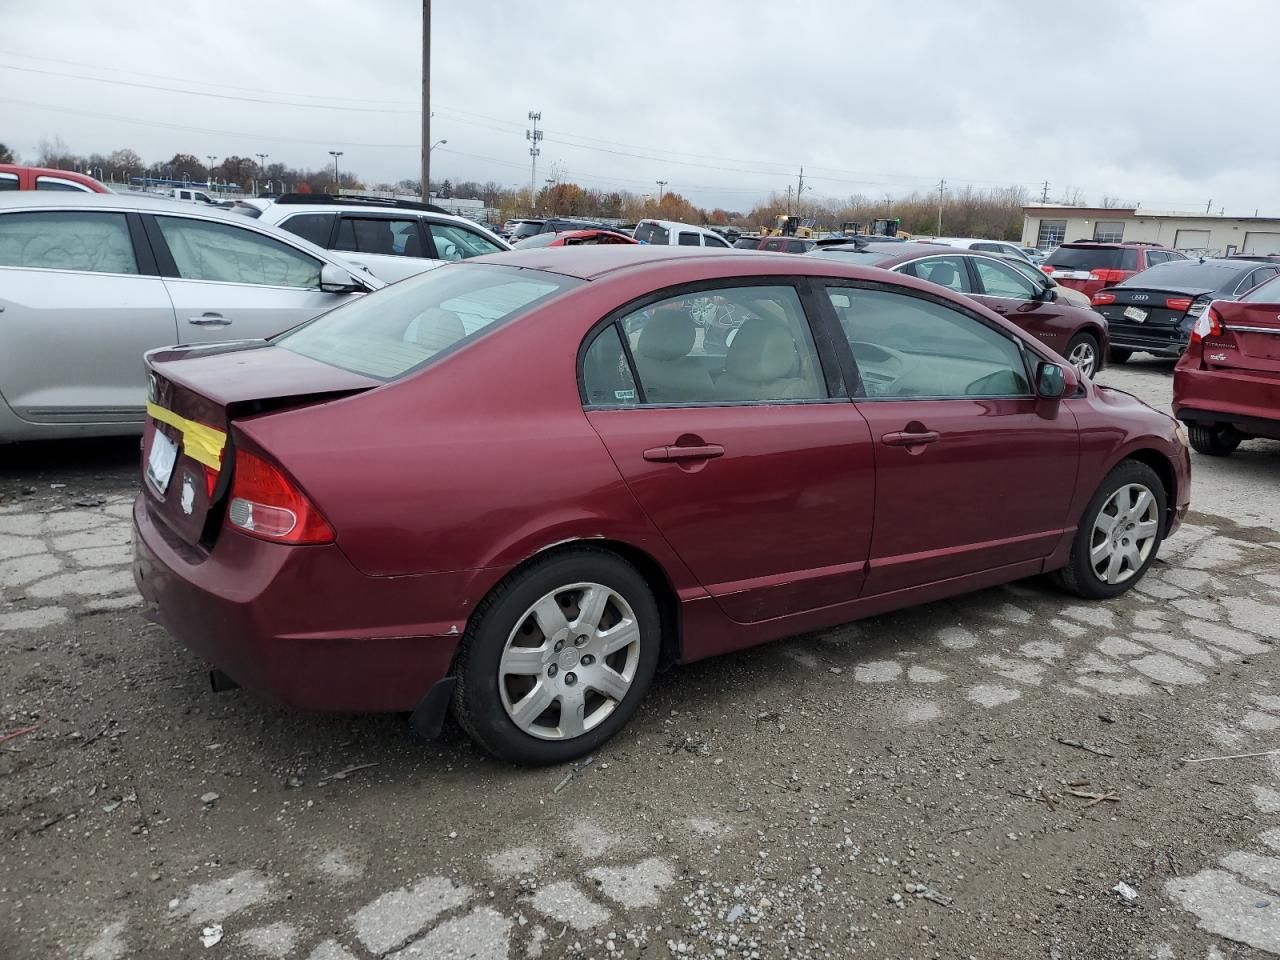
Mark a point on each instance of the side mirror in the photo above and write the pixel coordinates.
(1054, 381)
(333, 279)
(1048, 294)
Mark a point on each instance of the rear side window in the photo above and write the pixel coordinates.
(606, 375)
(710, 241)
(410, 322)
(1094, 258)
(649, 232)
(58, 183)
(316, 227)
(67, 240)
(386, 236)
(945, 271)
(747, 243)
(205, 250)
(8, 181)
(686, 239)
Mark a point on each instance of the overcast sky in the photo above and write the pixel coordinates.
(1167, 103)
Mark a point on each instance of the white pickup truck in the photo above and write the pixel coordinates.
(185, 193)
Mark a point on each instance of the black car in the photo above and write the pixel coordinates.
(531, 228)
(1154, 311)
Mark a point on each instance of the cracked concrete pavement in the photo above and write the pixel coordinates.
(968, 778)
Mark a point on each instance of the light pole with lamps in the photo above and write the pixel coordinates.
(262, 167)
(337, 184)
(210, 158)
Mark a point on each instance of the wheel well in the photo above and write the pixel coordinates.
(655, 576)
(1164, 470)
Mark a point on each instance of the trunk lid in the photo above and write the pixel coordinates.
(1149, 307)
(1250, 339)
(194, 394)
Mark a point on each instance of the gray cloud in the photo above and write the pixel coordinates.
(1163, 103)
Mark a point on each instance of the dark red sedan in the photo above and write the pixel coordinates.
(1226, 386)
(1013, 289)
(517, 486)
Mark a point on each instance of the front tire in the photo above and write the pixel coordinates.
(1119, 534)
(1118, 355)
(557, 658)
(1084, 354)
(1213, 440)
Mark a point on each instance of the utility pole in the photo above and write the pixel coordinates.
(1208, 205)
(1044, 193)
(800, 188)
(534, 137)
(942, 193)
(788, 199)
(661, 185)
(426, 101)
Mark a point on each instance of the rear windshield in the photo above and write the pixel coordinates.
(1268, 292)
(652, 233)
(1180, 274)
(391, 333)
(865, 258)
(525, 228)
(1094, 258)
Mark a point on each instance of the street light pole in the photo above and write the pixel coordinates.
(337, 184)
(426, 101)
(209, 179)
(262, 168)
(661, 184)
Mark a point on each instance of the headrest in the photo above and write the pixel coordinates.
(669, 335)
(762, 350)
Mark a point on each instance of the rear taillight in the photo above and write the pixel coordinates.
(1101, 299)
(1046, 268)
(1107, 276)
(267, 504)
(1209, 325)
(1181, 304)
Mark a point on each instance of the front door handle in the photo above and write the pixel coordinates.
(209, 320)
(906, 438)
(673, 454)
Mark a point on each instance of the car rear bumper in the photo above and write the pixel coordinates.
(300, 624)
(1161, 341)
(1249, 402)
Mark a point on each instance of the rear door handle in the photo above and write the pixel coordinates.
(906, 439)
(209, 320)
(706, 451)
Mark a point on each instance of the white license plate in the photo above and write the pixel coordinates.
(1136, 314)
(1071, 275)
(160, 461)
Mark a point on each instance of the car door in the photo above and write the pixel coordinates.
(80, 303)
(229, 282)
(1010, 293)
(973, 472)
(392, 246)
(747, 458)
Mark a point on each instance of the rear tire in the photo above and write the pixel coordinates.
(1119, 534)
(545, 673)
(1117, 355)
(1084, 353)
(1213, 440)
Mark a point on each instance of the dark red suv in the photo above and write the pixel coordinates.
(1226, 387)
(1088, 266)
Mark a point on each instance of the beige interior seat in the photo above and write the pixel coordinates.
(762, 364)
(942, 273)
(667, 372)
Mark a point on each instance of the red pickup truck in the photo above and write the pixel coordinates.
(14, 177)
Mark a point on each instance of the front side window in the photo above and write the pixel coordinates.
(999, 280)
(711, 241)
(8, 181)
(410, 322)
(686, 239)
(67, 240)
(727, 345)
(385, 236)
(1052, 233)
(1108, 231)
(911, 347)
(1268, 292)
(945, 271)
(58, 183)
(205, 250)
(315, 227)
(457, 243)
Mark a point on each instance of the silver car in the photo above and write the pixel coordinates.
(90, 282)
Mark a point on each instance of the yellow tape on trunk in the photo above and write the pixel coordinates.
(202, 444)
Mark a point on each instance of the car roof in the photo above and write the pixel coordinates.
(1098, 245)
(57, 199)
(677, 224)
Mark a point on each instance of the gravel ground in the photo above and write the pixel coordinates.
(999, 775)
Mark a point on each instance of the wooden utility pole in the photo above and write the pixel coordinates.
(426, 101)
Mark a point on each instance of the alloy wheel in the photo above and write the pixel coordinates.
(1124, 533)
(1084, 357)
(570, 661)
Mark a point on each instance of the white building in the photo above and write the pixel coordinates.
(1047, 225)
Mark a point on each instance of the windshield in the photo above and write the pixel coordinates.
(525, 228)
(1094, 258)
(392, 333)
(865, 258)
(649, 232)
(1268, 292)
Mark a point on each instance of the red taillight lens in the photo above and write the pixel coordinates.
(266, 504)
(1107, 276)
(1209, 325)
(1046, 268)
(1101, 299)
(1179, 303)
